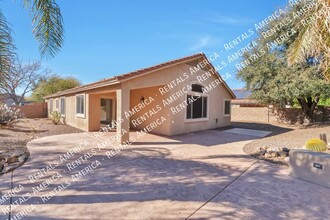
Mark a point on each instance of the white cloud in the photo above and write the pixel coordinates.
(230, 20)
(201, 43)
(205, 41)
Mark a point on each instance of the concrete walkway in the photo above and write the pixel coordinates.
(203, 175)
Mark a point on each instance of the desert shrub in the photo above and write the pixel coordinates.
(56, 117)
(316, 145)
(8, 114)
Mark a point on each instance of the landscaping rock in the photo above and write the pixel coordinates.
(268, 155)
(263, 148)
(2, 157)
(22, 158)
(274, 154)
(10, 167)
(275, 149)
(1, 167)
(17, 153)
(11, 160)
(283, 154)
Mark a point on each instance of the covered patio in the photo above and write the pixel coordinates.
(123, 109)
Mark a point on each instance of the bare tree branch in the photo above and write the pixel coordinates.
(21, 79)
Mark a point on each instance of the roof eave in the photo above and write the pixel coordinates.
(82, 89)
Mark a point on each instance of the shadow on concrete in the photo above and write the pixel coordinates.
(139, 174)
(151, 174)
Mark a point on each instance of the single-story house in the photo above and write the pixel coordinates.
(175, 97)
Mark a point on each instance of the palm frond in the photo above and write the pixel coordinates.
(48, 25)
(296, 50)
(7, 47)
(314, 39)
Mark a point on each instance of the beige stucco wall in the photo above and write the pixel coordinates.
(91, 120)
(176, 123)
(70, 116)
(149, 85)
(95, 111)
(156, 106)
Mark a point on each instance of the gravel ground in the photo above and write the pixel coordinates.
(15, 136)
(290, 137)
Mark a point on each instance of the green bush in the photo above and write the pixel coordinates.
(316, 145)
(56, 117)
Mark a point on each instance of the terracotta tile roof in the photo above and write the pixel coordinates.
(159, 66)
(127, 76)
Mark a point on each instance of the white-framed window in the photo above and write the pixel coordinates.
(80, 105)
(50, 105)
(197, 104)
(227, 107)
(57, 104)
(62, 109)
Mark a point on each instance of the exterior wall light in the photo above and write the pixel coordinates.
(142, 100)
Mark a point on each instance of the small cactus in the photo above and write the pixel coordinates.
(56, 116)
(316, 145)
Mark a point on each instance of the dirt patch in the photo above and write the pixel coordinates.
(19, 133)
(13, 138)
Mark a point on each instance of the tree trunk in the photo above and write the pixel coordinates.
(14, 97)
(308, 106)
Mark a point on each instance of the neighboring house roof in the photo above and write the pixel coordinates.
(4, 96)
(7, 99)
(242, 93)
(243, 98)
(137, 73)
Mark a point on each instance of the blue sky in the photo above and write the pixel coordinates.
(105, 37)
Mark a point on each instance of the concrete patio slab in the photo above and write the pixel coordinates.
(249, 132)
(266, 191)
(5, 189)
(158, 178)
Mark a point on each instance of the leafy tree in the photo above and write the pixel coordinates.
(324, 102)
(269, 76)
(21, 79)
(314, 35)
(52, 85)
(47, 28)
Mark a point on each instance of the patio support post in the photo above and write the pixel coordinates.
(123, 102)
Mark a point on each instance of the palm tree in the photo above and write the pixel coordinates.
(314, 36)
(47, 28)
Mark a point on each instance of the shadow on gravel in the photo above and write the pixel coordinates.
(19, 128)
